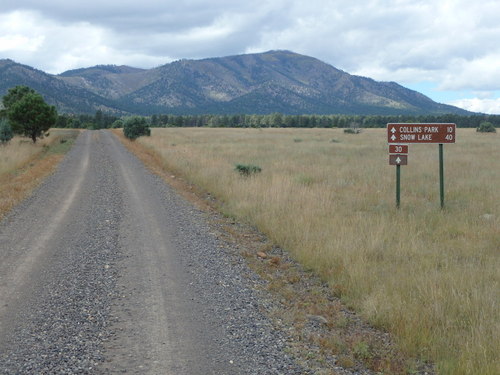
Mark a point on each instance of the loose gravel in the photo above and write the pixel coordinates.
(68, 314)
(62, 317)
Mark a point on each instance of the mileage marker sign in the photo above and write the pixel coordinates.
(421, 133)
(398, 149)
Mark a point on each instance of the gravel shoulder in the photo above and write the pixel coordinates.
(106, 270)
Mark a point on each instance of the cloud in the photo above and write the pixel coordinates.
(53, 47)
(489, 106)
(482, 73)
(453, 43)
(19, 42)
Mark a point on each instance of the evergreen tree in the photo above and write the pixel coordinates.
(136, 126)
(15, 94)
(30, 116)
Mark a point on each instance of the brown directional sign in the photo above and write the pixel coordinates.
(398, 149)
(421, 133)
(398, 159)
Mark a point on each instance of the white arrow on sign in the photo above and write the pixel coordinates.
(398, 160)
(393, 136)
(393, 130)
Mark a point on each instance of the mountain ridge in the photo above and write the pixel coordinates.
(259, 83)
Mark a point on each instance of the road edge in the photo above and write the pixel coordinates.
(325, 335)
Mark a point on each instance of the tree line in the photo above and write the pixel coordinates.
(102, 120)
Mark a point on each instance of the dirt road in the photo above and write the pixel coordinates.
(106, 270)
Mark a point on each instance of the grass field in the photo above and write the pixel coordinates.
(429, 276)
(23, 165)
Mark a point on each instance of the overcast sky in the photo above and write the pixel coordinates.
(447, 49)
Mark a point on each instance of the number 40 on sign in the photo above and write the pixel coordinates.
(421, 133)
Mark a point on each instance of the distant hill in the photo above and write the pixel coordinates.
(109, 81)
(274, 81)
(66, 97)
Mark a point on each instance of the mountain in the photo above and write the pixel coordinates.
(109, 81)
(274, 81)
(66, 97)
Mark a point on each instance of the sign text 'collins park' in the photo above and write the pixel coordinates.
(421, 133)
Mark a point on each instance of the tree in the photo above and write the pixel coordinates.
(117, 124)
(98, 120)
(6, 133)
(154, 120)
(30, 116)
(14, 95)
(28, 113)
(486, 127)
(63, 121)
(276, 120)
(135, 126)
(76, 123)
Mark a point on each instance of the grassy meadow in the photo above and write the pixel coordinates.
(429, 276)
(23, 165)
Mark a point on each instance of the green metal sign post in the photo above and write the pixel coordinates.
(398, 156)
(441, 174)
(398, 160)
(398, 186)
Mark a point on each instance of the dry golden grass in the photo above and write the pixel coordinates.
(23, 165)
(429, 276)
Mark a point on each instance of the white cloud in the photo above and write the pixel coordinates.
(18, 42)
(54, 47)
(489, 106)
(482, 73)
(15, 37)
(453, 43)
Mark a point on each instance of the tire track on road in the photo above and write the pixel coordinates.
(58, 248)
(23, 250)
(163, 333)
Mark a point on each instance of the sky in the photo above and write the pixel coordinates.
(448, 50)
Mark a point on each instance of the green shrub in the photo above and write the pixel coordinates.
(305, 180)
(117, 124)
(352, 131)
(362, 351)
(247, 169)
(6, 132)
(136, 126)
(486, 127)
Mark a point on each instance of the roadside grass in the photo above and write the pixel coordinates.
(23, 165)
(429, 276)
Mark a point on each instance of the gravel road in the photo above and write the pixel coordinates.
(106, 270)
